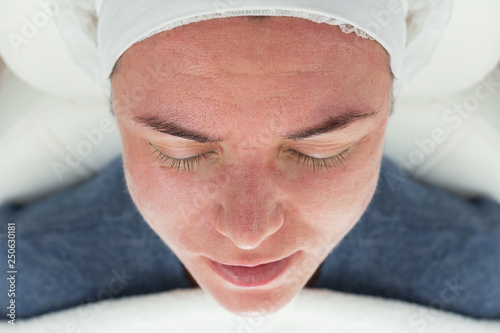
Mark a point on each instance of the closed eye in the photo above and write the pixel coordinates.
(181, 163)
(321, 163)
(188, 164)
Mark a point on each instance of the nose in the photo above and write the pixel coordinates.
(251, 211)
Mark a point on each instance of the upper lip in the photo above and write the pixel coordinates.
(251, 263)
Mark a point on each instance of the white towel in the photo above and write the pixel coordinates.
(192, 310)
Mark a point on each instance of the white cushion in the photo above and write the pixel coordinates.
(48, 143)
(32, 47)
(468, 51)
(432, 140)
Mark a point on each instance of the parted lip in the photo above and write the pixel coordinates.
(253, 263)
(251, 276)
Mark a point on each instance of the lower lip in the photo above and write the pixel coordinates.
(251, 276)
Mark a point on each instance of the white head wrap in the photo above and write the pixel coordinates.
(98, 32)
(124, 23)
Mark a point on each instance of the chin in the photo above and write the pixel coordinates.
(253, 303)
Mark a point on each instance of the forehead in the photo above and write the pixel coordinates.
(242, 46)
(235, 70)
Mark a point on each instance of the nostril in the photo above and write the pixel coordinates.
(218, 209)
(277, 218)
(219, 219)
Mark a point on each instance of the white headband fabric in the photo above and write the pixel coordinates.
(122, 23)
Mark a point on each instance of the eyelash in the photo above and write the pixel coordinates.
(314, 163)
(311, 162)
(180, 163)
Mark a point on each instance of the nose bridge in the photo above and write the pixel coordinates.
(251, 211)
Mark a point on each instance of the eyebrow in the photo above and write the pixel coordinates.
(333, 123)
(174, 129)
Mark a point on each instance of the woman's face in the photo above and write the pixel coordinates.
(246, 142)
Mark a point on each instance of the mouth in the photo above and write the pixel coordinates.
(251, 276)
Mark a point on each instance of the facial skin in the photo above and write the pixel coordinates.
(250, 83)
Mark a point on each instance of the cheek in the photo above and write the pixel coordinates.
(170, 202)
(333, 203)
(152, 193)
